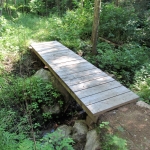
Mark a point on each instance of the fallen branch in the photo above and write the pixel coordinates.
(114, 44)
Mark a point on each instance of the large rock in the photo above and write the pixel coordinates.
(43, 74)
(143, 104)
(92, 141)
(51, 109)
(80, 130)
(66, 130)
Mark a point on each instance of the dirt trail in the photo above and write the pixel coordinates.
(132, 123)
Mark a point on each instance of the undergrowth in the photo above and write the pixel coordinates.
(123, 62)
(52, 141)
(22, 115)
(111, 141)
(27, 98)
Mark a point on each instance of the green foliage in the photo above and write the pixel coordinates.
(142, 82)
(22, 30)
(72, 29)
(7, 140)
(114, 142)
(51, 141)
(143, 31)
(8, 33)
(28, 96)
(142, 74)
(104, 125)
(110, 141)
(143, 89)
(55, 140)
(117, 24)
(37, 6)
(31, 89)
(122, 62)
(8, 118)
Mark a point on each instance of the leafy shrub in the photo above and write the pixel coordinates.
(8, 118)
(73, 28)
(26, 97)
(51, 141)
(7, 140)
(115, 142)
(117, 24)
(122, 62)
(143, 31)
(143, 90)
(37, 6)
(111, 141)
(55, 140)
(142, 74)
(142, 82)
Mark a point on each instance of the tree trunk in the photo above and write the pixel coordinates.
(57, 2)
(117, 3)
(97, 7)
(1, 7)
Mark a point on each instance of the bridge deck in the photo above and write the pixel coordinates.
(94, 90)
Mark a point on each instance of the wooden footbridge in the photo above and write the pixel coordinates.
(94, 90)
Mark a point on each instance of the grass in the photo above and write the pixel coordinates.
(16, 34)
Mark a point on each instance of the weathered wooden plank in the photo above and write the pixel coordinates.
(57, 54)
(73, 69)
(68, 63)
(47, 50)
(113, 102)
(85, 78)
(104, 95)
(61, 60)
(55, 58)
(80, 74)
(88, 84)
(97, 89)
